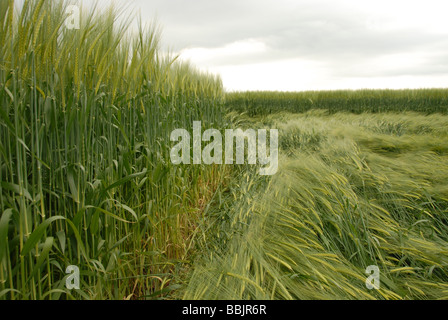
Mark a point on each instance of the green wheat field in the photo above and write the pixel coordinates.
(86, 177)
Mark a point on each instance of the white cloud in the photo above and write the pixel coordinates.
(286, 75)
(309, 44)
(209, 57)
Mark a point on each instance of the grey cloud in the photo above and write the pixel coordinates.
(334, 34)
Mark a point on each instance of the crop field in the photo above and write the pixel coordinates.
(351, 191)
(85, 122)
(355, 101)
(86, 178)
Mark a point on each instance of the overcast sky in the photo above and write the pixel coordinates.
(308, 44)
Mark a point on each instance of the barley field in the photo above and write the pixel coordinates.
(85, 122)
(86, 178)
(352, 190)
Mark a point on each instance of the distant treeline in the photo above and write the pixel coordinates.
(356, 101)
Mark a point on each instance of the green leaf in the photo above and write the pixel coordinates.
(119, 242)
(128, 209)
(3, 292)
(37, 234)
(78, 239)
(108, 213)
(4, 223)
(94, 222)
(5, 118)
(125, 179)
(72, 185)
(168, 289)
(9, 93)
(42, 256)
(16, 188)
(62, 240)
